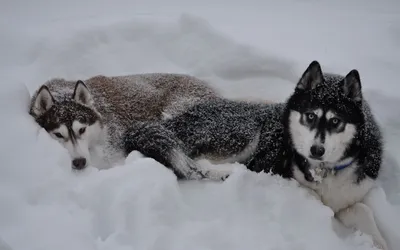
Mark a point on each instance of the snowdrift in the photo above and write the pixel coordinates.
(140, 205)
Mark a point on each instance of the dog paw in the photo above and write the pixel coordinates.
(196, 175)
(380, 244)
(216, 176)
(223, 178)
(206, 174)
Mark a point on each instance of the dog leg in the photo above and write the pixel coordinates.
(387, 219)
(361, 217)
(155, 141)
(267, 157)
(192, 170)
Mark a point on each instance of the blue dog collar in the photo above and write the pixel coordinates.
(341, 167)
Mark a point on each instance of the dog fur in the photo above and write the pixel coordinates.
(89, 117)
(324, 136)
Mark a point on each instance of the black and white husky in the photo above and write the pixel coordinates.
(324, 136)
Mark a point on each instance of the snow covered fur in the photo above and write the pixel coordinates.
(324, 136)
(90, 117)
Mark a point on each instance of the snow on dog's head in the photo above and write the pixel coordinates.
(325, 114)
(72, 121)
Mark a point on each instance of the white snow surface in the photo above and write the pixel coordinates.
(247, 49)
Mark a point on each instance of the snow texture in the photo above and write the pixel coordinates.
(248, 50)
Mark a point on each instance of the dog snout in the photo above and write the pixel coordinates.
(79, 163)
(317, 151)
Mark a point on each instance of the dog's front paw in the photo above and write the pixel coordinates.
(196, 175)
(215, 175)
(223, 178)
(361, 217)
(380, 244)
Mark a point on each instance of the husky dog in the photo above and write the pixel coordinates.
(89, 117)
(324, 136)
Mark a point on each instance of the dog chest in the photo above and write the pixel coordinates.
(337, 191)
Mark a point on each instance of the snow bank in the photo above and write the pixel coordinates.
(44, 205)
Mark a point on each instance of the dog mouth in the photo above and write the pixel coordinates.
(318, 162)
(315, 158)
(77, 168)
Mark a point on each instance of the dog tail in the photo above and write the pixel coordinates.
(155, 141)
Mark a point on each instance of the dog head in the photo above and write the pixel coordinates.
(324, 115)
(72, 121)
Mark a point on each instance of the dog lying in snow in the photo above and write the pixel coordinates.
(324, 136)
(89, 117)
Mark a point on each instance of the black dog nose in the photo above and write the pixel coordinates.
(317, 151)
(79, 163)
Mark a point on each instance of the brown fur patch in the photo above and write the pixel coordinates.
(121, 100)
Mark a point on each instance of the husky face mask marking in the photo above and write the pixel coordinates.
(324, 116)
(73, 121)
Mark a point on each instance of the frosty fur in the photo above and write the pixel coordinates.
(103, 108)
(220, 129)
(258, 135)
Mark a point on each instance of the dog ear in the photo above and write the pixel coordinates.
(311, 77)
(81, 94)
(43, 101)
(352, 85)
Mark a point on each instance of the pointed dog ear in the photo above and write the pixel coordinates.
(43, 101)
(352, 85)
(311, 77)
(81, 94)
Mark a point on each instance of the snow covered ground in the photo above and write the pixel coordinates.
(247, 49)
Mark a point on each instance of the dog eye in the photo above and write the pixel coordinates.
(310, 117)
(59, 135)
(82, 130)
(335, 121)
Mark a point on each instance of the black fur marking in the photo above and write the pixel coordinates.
(311, 78)
(216, 129)
(160, 147)
(352, 85)
(44, 104)
(67, 112)
(81, 97)
(223, 128)
(72, 135)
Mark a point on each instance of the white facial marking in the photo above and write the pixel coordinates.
(79, 149)
(318, 112)
(329, 115)
(91, 136)
(76, 127)
(335, 143)
(303, 138)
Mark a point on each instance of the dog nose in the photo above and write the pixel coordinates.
(79, 163)
(317, 151)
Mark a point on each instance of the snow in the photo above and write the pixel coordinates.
(247, 49)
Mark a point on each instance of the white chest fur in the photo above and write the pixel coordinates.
(338, 191)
